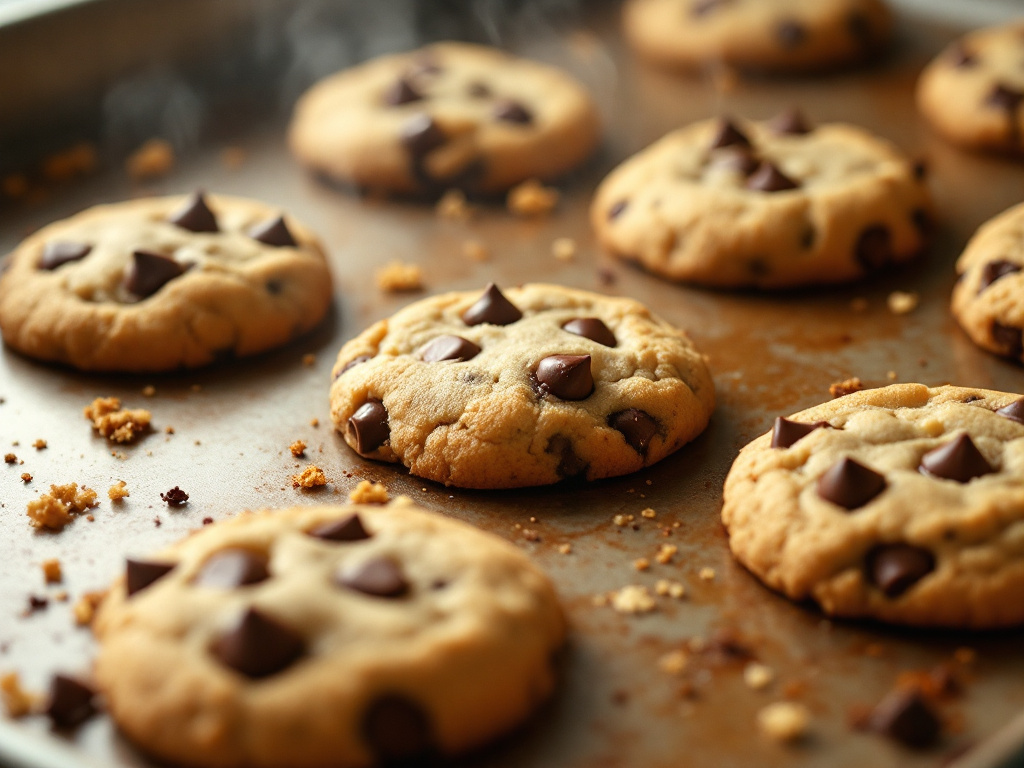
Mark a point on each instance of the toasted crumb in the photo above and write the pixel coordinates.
(642, 564)
(52, 571)
(649, 513)
(563, 248)
(531, 198)
(39, 444)
(785, 721)
(17, 701)
(369, 493)
(314, 422)
(152, 160)
(10, 458)
(114, 423)
(845, 387)
(565, 549)
(169, 429)
(670, 588)
(232, 158)
(54, 510)
(665, 553)
(26, 477)
(395, 277)
(674, 662)
(891, 375)
(298, 448)
(902, 303)
(118, 491)
(633, 598)
(85, 607)
(706, 574)
(453, 205)
(758, 676)
(475, 250)
(78, 160)
(311, 477)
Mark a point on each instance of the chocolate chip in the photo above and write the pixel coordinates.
(617, 208)
(378, 577)
(790, 122)
(511, 111)
(961, 57)
(273, 232)
(492, 307)
(1008, 339)
(174, 497)
(195, 216)
(1005, 97)
(1014, 411)
(569, 462)
(907, 717)
(258, 646)
(420, 135)
(349, 528)
(397, 730)
(139, 574)
(60, 252)
(638, 427)
(232, 568)
(958, 460)
(994, 270)
(850, 484)
(478, 90)
(768, 178)
(401, 92)
(591, 328)
(737, 158)
(368, 426)
(149, 272)
(449, 348)
(70, 703)
(786, 432)
(790, 33)
(357, 360)
(567, 377)
(873, 249)
(727, 135)
(895, 568)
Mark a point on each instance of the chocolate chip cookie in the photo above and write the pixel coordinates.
(163, 283)
(528, 387)
(768, 204)
(451, 115)
(327, 636)
(904, 504)
(973, 92)
(767, 35)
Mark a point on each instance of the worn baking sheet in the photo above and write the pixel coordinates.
(770, 355)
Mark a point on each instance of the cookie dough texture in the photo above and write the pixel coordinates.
(799, 543)
(235, 295)
(469, 643)
(485, 423)
(686, 211)
(768, 35)
(451, 115)
(973, 92)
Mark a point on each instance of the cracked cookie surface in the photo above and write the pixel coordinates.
(903, 504)
(338, 636)
(163, 283)
(536, 385)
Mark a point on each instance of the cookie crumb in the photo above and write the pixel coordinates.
(649, 513)
(118, 491)
(39, 444)
(633, 598)
(369, 493)
(52, 571)
(902, 302)
(784, 721)
(26, 477)
(674, 662)
(665, 553)
(114, 423)
(845, 387)
(152, 160)
(396, 277)
(174, 497)
(706, 574)
(622, 520)
(454, 206)
(642, 564)
(55, 509)
(758, 676)
(314, 422)
(474, 250)
(672, 589)
(531, 198)
(17, 701)
(563, 248)
(298, 448)
(565, 549)
(311, 477)
(148, 391)
(85, 607)
(891, 375)
(10, 458)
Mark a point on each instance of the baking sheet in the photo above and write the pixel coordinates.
(770, 355)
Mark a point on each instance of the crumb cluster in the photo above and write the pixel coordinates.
(118, 425)
(57, 508)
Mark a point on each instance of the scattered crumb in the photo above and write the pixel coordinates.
(314, 422)
(902, 303)
(453, 206)
(311, 477)
(531, 198)
(665, 553)
(396, 276)
(298, 448)
(565, 549)
(674, 662)
(118, 491)
(563, 248)
(530, 534)
(169, 429)
(846, 387)
(622, 519)
(152, 160)
(642, 564)
(232, 158)
(891, 375)
(54, 510)
(52, 571)
(10, 458)
(633, 598)
(85, 607)
(706, 574)
(475, 250)
(61, 596)
(785, 721)
(673, 589)
(174, 497)
(17, 701)
(649, 513)
(26, 477)
(91, 518)
(309, 359)
(859, 304)
(758, 676)
(39, 444)
(369, 493)
(207, 520)
(78, 160)
(114, 423)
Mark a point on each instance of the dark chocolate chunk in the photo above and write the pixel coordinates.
(397, 730)
(1014, 411)
(492, 307)
(149, 272)
(638, 427)
(1005, 97)
(569, 462)
(791, 121)
(958, 460)
(449, 348)
(906, 716)
(139, 574)
(174, 497)
(1008, 339)
(850, 484)
(566, 376)
(36, 603)
(56, 253)
(727, 135)
(401, 92)
(195, 216)
(873, 249)
(786, 432)
(994, 270)
(353, 363)
(479, 90)
(790, 33)
(961, 57)
(70, 703)
(379, 577)
(511, 111)
(232, 568)
(258, 646)
(616, 209)
(349, 528)
(895, 568)
(768, 178)
(368, 426)
(736, 158)
(591, 328)
(273, 232)
(421, 135)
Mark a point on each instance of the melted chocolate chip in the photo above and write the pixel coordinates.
(368, 427)
(873, 249)
(139, 574)
(638, 427)
(738, 158)
(786, 432)
(1008, 339)
(849, 484)
(617, 208)
(1014, 411)
(907, 717)
(728, 135)
(569, 462)
(994, 270)
(397, 730)
(1005, 97)
(174, 497)
(567, 377)
(258, 646)
(379, 577)
(492, 307)
(511, 111)
(195, 216)
(768, 178)
(449, 348)
(790, 122)
(57, 253)
(149, 272)
(591, 328)
(895, 568)
(401, 92)
(958, 460)
(358, 359)
(790, 33)
(273, 232)
(232, 568)
(421, 135)
(70, 703)
(348, 528)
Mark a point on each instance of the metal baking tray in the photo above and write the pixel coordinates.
(212, 75)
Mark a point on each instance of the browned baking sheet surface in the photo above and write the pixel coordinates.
(770, 355)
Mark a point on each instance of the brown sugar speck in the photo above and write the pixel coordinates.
(26, 477)
(118, 491)
(396, 277)
(16, 700)
(52, 571)
(174, 497)
(114, 423)
(846, 387)
(54, 510)
(311, 477)
(39, 444)
(531, 198)
(369, 493)
(85, 607)
(152, 160)
(298, 448)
